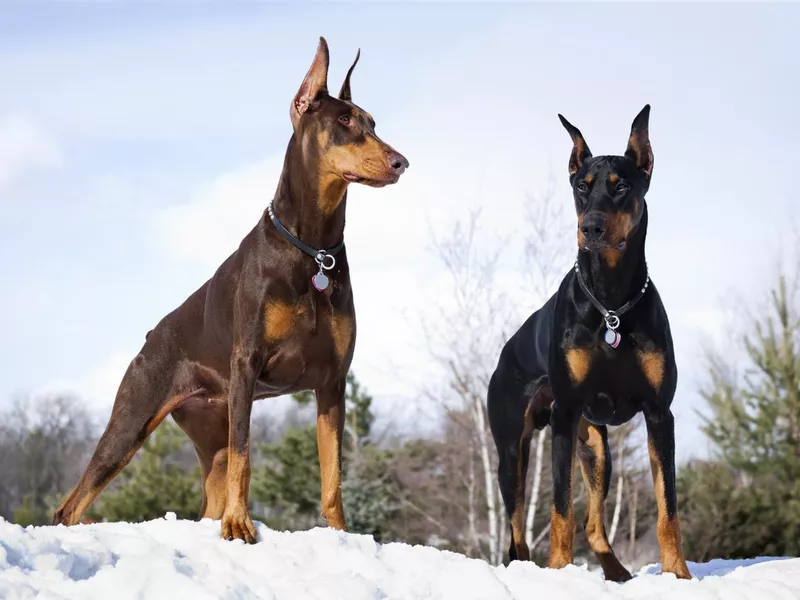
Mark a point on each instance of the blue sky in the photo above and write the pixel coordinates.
(140, 141)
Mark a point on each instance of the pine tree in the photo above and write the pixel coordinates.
(153, 483)
(755, 426)
(288, 482)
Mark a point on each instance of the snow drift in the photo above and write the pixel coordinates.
(173, 559)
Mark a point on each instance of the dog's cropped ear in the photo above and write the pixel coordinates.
(315, 83)
(580, 151)
(639, 149)
(344, 93)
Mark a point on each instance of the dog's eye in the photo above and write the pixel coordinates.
(622, 189)
(345, 120)
(582, 187)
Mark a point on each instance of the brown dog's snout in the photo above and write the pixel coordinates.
(594, 226)
(397, 162)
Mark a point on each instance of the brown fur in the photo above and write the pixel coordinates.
(257, 328)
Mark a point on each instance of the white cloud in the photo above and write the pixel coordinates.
(24, 145)
(97, 386)
(208, 228)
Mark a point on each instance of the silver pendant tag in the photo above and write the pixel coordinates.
(320, 281)
(612, 338)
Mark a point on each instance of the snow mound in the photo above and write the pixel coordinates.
(173, 559)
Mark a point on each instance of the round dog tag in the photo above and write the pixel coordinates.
(320, 281)
(612, 338)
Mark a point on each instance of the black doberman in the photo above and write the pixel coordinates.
(276, 317)
(598, 352)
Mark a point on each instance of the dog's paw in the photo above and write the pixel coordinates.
(237, 525)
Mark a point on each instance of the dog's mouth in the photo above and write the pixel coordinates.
(353, 178)
(597, 245)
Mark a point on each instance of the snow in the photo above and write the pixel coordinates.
(173, 559)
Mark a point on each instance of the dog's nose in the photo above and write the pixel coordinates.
(593, 226)
(398, 162)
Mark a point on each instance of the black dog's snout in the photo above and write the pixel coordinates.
(398, 162)
(593, 226)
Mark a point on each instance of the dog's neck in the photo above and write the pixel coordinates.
(614, 285)
(310, 205)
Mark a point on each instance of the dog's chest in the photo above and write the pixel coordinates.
(307, 342)
(611, 381)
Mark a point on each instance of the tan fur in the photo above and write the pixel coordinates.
(328, 432)
(562, 536)
(668, 530)
(236, 521)
(652, 364)
(279, 317)
(342, 333)
(589, 435)
(579, 361)
(215, 488)
(613, 178)
(620, 225)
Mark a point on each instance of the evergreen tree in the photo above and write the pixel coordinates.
(288, 483)
(755, 425)
(154, 483)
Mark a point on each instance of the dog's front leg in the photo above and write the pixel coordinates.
(330, 426)
(236, 521)
(661, 444)
(564, 421)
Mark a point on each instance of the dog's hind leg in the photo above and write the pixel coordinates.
(595, 460)
(145, 397)
(512, 421)
(206, 424)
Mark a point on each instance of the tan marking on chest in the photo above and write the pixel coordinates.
(579, 360)
(342, 333)
(279, 318)
(652, 363)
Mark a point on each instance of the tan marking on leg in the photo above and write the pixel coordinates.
(342, 332)
(579, 361)
(652, 364)
(329, 429)
(236, 521)
(668, 530)
(562, 535)
(279, 317)
(215, 487)
(593, 477)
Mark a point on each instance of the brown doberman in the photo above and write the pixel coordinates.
(277, 317)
